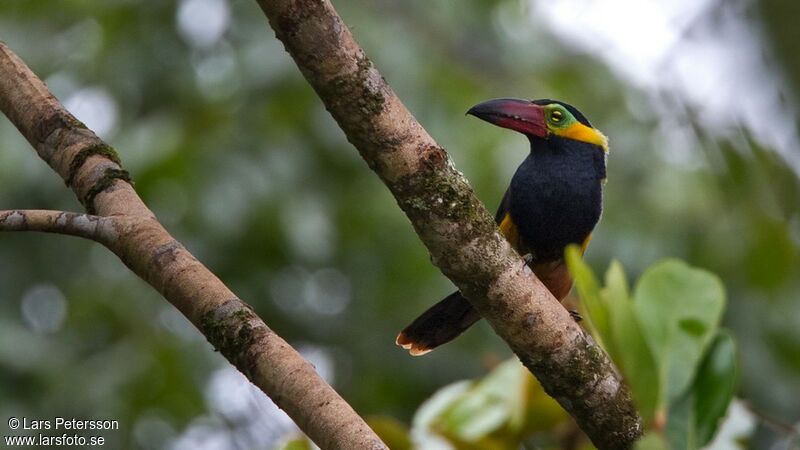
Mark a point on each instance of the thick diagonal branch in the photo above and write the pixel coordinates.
(127, 227)
(460, 234)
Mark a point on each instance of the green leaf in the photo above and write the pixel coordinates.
(695, 416)
(495, 402)
(594, 311)
(432, 408)
(681, 429)
(629, 348)
(423, 425)
(496, 412)
(679, 309)
(714, 386)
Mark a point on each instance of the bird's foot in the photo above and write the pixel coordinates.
(528, 257)
(575, 315)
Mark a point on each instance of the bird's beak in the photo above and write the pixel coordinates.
(514, 114)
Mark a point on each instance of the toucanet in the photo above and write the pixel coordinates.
(555, 199)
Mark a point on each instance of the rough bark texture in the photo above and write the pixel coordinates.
(459, 232)
(128, 228)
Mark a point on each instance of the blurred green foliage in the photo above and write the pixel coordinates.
(498, 412)
(239, 159)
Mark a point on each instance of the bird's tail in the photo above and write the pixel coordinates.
(440, 324)
(445, 320)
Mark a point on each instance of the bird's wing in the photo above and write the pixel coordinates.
(553, 274)
(507, 226)
(502, 210)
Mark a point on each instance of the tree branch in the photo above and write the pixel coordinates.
(87, 226)
(129, 229)
(457, 229)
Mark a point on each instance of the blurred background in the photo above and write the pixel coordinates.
(241, 162)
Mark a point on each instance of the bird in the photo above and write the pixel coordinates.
(555, 199)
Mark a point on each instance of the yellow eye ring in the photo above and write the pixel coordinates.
(556, 116)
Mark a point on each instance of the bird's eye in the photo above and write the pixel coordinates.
(556, 117)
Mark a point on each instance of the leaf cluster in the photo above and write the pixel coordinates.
(666, 339)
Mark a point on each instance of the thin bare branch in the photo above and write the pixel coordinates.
(457, 229)
(87, 226)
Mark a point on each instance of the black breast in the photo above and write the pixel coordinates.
(556, 195)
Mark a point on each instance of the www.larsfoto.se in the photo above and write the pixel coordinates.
(63, 440)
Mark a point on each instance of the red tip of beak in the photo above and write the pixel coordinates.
(514, 114)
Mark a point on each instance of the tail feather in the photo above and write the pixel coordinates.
(440, 324)
(447, 319)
